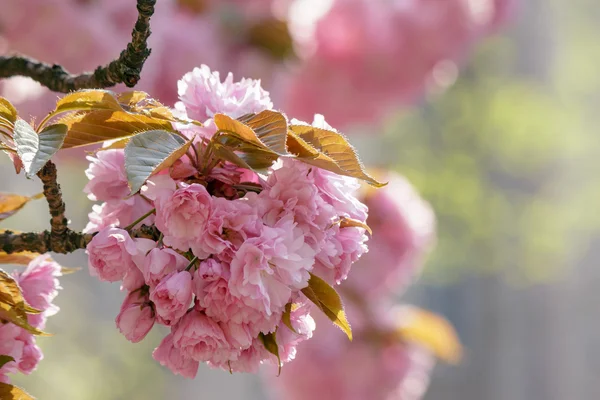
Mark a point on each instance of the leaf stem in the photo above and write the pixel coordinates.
(129, 227)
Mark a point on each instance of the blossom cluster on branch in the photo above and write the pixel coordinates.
(236, 250)
(352, 60)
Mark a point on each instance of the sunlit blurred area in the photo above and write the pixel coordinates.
(502, 143)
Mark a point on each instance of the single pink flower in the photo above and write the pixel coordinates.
(171, 357)
(136, 317)
(109, 254)
(160, 262)
(254, 280)
(231, 222)
(108, 180)
(172, 297)
(39, 284)
(31, 356)
(182, 217)
(210, 283)
(202, 339)
(204, 95)
(249, 359)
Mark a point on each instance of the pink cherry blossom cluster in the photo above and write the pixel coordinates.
(373, 56)
(367, 56)
(234, 248)
(374, 366)
(39, 286)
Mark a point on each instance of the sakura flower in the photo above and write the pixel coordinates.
(254, 280)
(183, 216)
(171, 357)
(39, 283)
(172, 297)
(106, 174)
(109, 254)
(160, 262)
(136, 317)
(201, 339)
(204, 95)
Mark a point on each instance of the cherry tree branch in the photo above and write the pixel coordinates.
(56, 205)
(70, 241)
(125, 69)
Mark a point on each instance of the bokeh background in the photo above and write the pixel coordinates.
(508, 158)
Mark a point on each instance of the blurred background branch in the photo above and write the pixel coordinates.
(125, 69)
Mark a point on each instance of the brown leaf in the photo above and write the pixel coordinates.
(266, 130)
(15, 316)
(328, 300)
(10, 294)
(431, 331)
(346, 222)
(21, 258)
(87, 100)
(132, 98)
(272, 36)
(99, 126)
(11, 203)
(335, 154)
(10, 392)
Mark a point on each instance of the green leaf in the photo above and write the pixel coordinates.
(151, 152)
(328, 300)
(11, 203)
(99, 126)
(10, 392)
(269, 340)
(286, 317)
(35, 150)
(5, 360)
(7, 111)
(328, 150)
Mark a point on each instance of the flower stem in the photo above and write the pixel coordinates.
(191, 264)
(140, 219)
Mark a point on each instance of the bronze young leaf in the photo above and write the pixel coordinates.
(7, 111)
(328, 300)
(11, 203)
(334, 153)
(10, 392)
(99, 126)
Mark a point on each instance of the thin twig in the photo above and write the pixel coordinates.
(125, 69)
